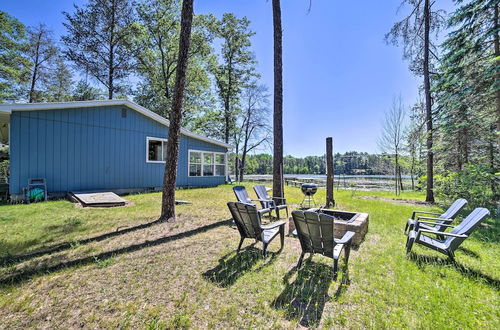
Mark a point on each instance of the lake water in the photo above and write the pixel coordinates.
(353, 182)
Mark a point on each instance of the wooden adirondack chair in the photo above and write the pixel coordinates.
(275, 203)
(247, 219)
(438, 222)
(316, 235)
(242, 196)
(452, 239)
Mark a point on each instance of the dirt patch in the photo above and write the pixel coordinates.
(395, 200)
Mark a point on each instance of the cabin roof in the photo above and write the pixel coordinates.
(6, 109)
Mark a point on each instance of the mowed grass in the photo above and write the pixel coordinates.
(62, 266)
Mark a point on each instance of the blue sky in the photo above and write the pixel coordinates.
(339, 75)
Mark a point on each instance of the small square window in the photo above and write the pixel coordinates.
(157, 150)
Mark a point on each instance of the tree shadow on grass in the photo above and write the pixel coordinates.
(231, 269)
(306, 296)
(65, 228)
(470, 253)
(26, 274)
(421, 261)
(489, 230)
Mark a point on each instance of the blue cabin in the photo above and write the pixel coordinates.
(113, 145)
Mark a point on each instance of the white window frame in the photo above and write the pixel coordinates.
(151, 138)
(214, 153)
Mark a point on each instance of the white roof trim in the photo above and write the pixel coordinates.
(8, 108)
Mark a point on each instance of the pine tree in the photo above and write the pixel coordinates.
(97, 38)
(168, 196)
(14, 65)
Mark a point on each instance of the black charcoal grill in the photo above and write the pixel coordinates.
(308, 189)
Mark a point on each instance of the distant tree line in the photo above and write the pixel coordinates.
(349, 163)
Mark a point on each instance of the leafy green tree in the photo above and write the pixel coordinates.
(60, 83)
(86, 92)
(97, 38)
(235, 68)
(155, 48)
(254, 130)
(14, 65)
(415, 141)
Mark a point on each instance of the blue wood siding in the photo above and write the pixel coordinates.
(93, 149)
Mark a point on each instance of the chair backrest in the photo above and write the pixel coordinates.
(451, 213)
(261, 193)
(241, 194)
(315, 231)
(454, 208)
(466, 227)
(247, 219)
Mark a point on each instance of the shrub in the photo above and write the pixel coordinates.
(473, 183)
(4, 171)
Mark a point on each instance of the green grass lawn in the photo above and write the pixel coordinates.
(63, 266)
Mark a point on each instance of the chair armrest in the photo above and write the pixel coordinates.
(432, 223)
(437, 219)
(440, 233)
(279, 200)
(263, 211)
(274, 225)
(422, 212)
(346, 238)
(263, 200)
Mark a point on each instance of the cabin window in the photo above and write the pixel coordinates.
(157, 150)
(195, 163)
(206, 163)
(220, 164)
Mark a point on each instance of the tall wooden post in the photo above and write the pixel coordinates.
(330, 201)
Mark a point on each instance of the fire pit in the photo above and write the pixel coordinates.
(344, 221)
(308, 189)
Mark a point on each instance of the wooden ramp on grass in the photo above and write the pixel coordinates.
(98, 199)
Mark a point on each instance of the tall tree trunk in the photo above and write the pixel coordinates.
(278, 102)
(170, 175)
(497, 54)
(400, 179)
(242, 165)
(34, 77)
(236, 158)
(244, 151)
(236, 166)
(396, 183)
(111, 54)
(428, 106)
(227, 106)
